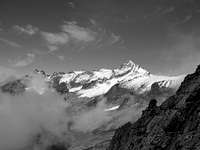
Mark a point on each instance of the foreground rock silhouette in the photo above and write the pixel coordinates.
(174, 125)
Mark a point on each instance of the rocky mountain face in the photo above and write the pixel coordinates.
(14, 87)
(174, 125)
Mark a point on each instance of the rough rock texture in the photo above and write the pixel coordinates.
(175, 125)
(61, 88)
(14, 87)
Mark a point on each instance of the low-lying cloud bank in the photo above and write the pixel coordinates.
(40, 117)
(24, 116)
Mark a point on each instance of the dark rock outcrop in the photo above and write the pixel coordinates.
(57, 147)
(174, 125)
(61, 88)
(14, 87)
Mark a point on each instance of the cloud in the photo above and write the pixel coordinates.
(92, 119)
(70, 33)
(78, 33)
(29, 59)
(92, 21)
(10, 43)
(107, 38)
(6, 73)
(183, 20)
(71, 4)
(167, 10)
(28, 29)
(25, 117)
(61, 57)
(54, 40)
(37, 120)
(114, 38)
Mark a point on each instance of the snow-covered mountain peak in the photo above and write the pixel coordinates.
(130, 66)
(128, 76)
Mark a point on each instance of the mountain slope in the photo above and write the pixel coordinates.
(173, 125)
(128, 76)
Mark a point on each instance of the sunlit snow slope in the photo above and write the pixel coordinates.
(129, 76)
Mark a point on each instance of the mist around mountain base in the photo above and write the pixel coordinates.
(36, 116)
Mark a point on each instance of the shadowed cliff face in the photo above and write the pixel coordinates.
(173, 125)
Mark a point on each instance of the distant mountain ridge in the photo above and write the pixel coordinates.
(128, 76)
(129, 80)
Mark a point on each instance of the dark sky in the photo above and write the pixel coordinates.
(163, 36)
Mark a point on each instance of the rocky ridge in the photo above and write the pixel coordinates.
(90, 84)
(128, 76)
(174, 125)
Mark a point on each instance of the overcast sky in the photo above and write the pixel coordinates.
(162, 36)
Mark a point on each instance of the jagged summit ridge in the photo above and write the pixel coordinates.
(98, 82)
(129, 76)
(103, 74)
(130, 66)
